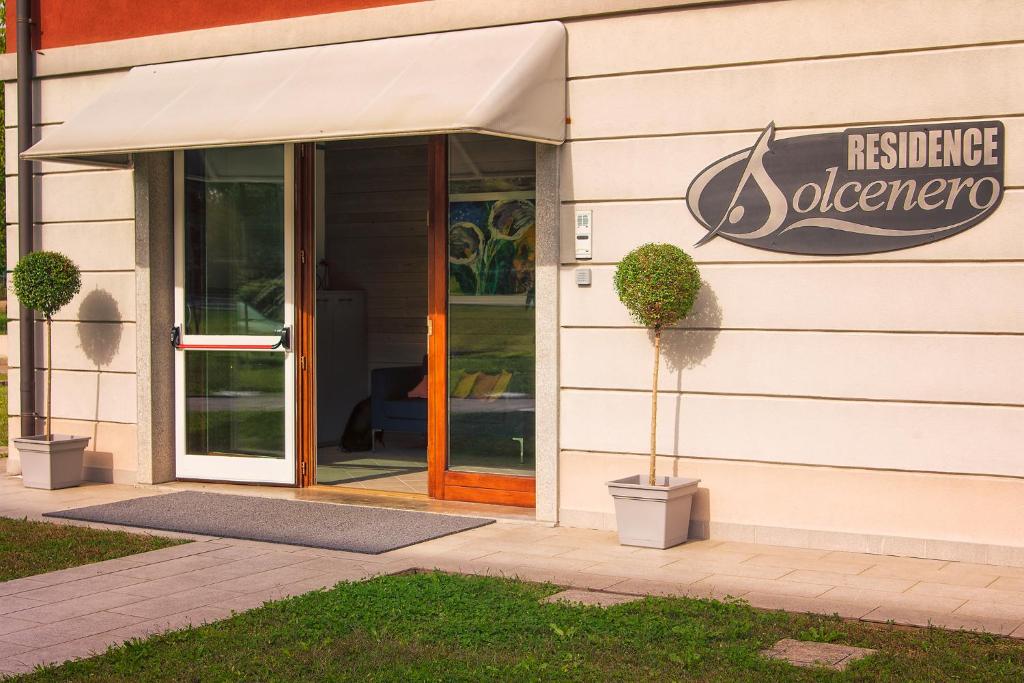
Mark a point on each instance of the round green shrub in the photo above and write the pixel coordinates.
(46, 281)
(658, 284)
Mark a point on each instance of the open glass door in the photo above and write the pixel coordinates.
(234, 310)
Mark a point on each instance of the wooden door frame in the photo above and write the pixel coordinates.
(441, 483)
(305, 306)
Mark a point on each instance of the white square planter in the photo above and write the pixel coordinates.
(54, 463)
(653, 516)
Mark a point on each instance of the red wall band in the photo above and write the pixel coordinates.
(76, 22)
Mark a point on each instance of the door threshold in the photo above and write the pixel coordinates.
(411, 501)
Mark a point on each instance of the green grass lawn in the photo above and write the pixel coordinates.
(28, 548)
(437, 627)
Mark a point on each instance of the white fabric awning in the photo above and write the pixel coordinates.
(507, 81)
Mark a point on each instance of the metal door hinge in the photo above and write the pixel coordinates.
(430, 326)
(302, 363)
(302, 470)
(302, 255)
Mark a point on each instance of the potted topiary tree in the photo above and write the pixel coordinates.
(658, 284)
(46, 281)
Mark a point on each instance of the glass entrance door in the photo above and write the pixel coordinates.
(234, 312)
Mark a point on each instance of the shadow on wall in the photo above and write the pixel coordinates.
(99, 336)
(686, 348)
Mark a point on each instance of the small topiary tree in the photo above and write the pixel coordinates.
(658, 284)
(46, 281)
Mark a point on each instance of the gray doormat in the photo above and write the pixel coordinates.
(295, 522)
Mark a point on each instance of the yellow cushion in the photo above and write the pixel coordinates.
(483, 386)
(463, 385)
(501, 386)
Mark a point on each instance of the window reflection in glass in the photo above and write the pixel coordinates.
(235, 403)
(234, 240)
(491, 316)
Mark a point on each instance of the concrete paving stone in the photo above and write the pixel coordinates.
(1000, 570)
(263, 580)
(15, 603)
(954, 621)
(819, 564)
(981, 608)
(175, 602)
(22, 585)
(1018, 632)
(581, 580)
(745, 569)
(81, 648)
(667, 589)
(187, 581)
(69, 629)
(1008, 583)
(84, 571)
(9, 667)
(969, 593)
(172, 567)
(75, 589)
(11, 649)
(680, 574)
(795, 603)
(177, 551)
(511, 559)
(76, 607)
(10, 624)
(327, 564)
(812, 654)
(874, 598)
(576, 596)
(172, 622)
(415, 551)
(237, 552)
(765, 549)
(899, 571)
(734, 585)
(882, 583)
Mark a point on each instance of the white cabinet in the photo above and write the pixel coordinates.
(342, 376)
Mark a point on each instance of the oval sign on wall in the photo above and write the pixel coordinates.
(861, 191)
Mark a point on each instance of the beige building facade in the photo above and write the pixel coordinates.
(871, 403)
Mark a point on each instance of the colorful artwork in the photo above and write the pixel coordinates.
(491, 247)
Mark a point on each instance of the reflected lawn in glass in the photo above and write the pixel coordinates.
(235, 403)
(234, 240)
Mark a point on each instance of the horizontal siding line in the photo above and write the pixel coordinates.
(80, 220)
(72, 320)
(814, 261)
(823, 262)
(635, 200)
(798, 397)
(78, 322)
(680, 198)
(78, 419)
(40, 224)
(792, 60)
(82, 170)
(794, 464)
(80, 370)
(816, 126)
(799, 329)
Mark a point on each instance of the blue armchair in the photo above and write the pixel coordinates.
(390, 406)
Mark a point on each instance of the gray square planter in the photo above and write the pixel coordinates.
(653, 516)
(54, 463)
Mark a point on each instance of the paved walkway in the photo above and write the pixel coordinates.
(76, 612)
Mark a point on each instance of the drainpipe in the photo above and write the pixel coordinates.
(26, 219)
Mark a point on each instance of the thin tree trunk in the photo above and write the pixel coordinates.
(654, 405)
(49, 379)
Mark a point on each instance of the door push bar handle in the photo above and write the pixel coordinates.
(283, 343)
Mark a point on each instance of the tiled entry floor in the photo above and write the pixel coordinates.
(394, 468)
(75, 612)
